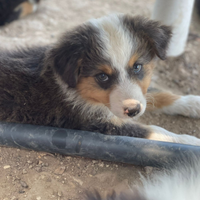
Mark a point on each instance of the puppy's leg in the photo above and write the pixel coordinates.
(172, 104)
(133, 129)
(161, 134)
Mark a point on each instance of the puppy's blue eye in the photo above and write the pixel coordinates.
(137, 68)
(102, 77)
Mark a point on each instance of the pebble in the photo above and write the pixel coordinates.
(21, 191)
(59, 170)
(60, 194)
(46, 164)
(38, 169)
(23, 184)
(40, 162)
(6, 167)
(101, 164)
(93, 172)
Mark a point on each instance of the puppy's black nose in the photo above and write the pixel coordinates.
(131, 112)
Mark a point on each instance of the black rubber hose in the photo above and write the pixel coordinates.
(123, 149)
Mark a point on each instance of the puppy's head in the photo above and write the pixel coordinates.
(109, 61)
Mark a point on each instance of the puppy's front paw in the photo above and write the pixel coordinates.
(189, 139)
(161, 134)
(188, 106)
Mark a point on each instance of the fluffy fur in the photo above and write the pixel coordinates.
(94, 78)
(180, 183)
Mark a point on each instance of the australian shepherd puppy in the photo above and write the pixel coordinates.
(179, 183)
(11, 10)
(95, 78)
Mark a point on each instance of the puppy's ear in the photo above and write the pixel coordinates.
(148, 31)
(75, 52)
(66, 59)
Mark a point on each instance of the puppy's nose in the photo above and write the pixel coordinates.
(131, 112)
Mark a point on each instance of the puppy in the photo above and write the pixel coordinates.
(182, 182)
(11, 10)
(95, 78)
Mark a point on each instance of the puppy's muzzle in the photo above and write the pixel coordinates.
(131, 107)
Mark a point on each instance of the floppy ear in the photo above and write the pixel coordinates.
(156, 35)
(75, 51)
(66, 58)
(160, 36)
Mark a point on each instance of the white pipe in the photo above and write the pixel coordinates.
(176, 13)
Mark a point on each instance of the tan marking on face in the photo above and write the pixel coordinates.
(145, 82)
(26, 7)
(88, 89)
(106, 69)
(133, 60)
(160, 100)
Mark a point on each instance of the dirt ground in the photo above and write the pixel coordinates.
(42, 176)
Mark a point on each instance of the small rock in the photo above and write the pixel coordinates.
(182, 72)
(101, 164)
(38, 169)
(6, 167)
(94, 172)
(14, 198)
(68, 157)
(24, 171)
(38, 198)
(60, 194)
(78, 181)
(23, 184)
(46, 164)
(59, 170)
(40, 162)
